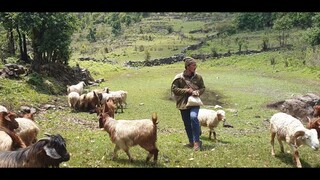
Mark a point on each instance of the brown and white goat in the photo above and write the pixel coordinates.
(108, 107)
(47, 152)
(127, 133)
(314, 123)
(9, 140)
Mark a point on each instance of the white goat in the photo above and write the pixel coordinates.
(73, 100)
(119, 97)
(28, 130)
(127, 133)
(76, 88)
(289, 129)
(210, 118)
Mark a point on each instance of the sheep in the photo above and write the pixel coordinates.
(28, 130)
(127, 133)
(47, 152)
(73, 100)
(211, 118)
(76, 88)
(290, 129)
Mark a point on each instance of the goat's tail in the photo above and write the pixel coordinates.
(154, 118)
(155, 122)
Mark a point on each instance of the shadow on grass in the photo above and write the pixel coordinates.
(137, 162)
(209, 144)
(288, 159)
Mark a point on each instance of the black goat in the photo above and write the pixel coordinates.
(47, 152)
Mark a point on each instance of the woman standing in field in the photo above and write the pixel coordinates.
(184, 85)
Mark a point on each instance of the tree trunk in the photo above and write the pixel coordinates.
(24, 47)
(11, 49)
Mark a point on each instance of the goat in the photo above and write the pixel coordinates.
(28, 130)
(7, 120)
(47, 152)
(107, 107)
(290, 129)
(127, 133)
(89, 101)
(120, 97)
(314, 123)
(73, 100)
(9, 140)
(76, 88)
(211, 119)
(316, 112)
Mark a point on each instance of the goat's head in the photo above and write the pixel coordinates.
(314, 124)
(316, 111)
(309, 137)
(7, 119)
(102, 119)
(221, 115)
(55, 148)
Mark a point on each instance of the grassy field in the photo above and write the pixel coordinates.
(234, 83)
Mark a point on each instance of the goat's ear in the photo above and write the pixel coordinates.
(51, 152)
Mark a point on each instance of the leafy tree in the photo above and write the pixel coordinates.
(50, 35)
(8, 24)
(253, 20)
(283, 23)
(91, 37)
(312, 34)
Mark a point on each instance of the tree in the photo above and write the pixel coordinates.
(50, 35)
(283, 23)
(8, 24)
(312, 34)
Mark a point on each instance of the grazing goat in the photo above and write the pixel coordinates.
(211, 118)
(76, 88)
(73, 100)
(290, 129)
(47, 152)
(88, 102)
(127, 133)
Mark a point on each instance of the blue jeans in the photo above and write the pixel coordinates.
(191, 123)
